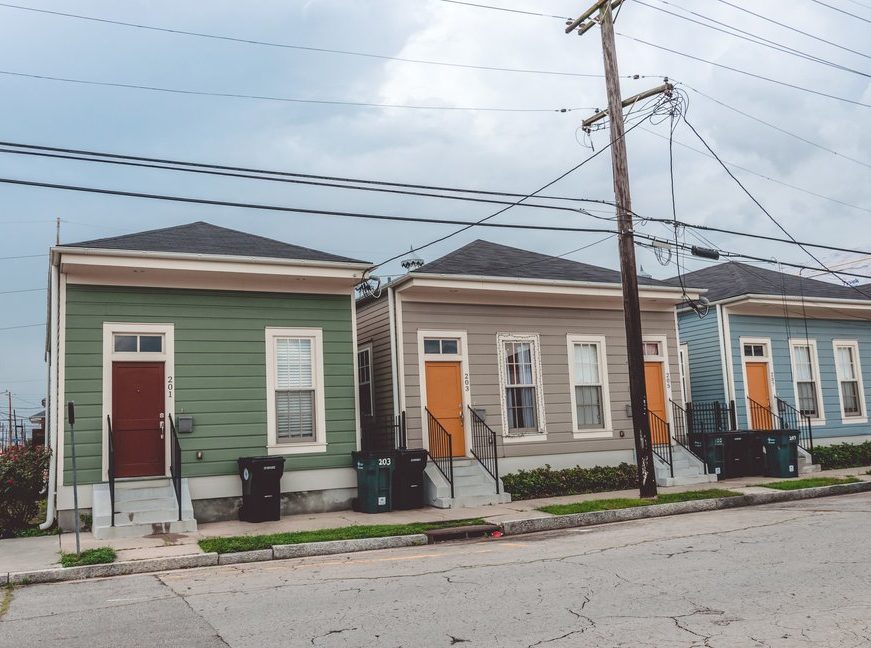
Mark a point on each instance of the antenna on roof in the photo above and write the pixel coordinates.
(412, 262)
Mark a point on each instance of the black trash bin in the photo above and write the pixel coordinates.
(408, 491)
(743, 454)
(374, 477)
(780, 448)
(711, 447)
(261, 488)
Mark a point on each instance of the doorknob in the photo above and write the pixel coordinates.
(162, 428)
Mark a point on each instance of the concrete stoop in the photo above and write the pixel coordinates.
(141, 508)
(805, 467)
(473, 486)
(688, 469)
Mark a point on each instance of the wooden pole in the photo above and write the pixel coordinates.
(631, 302)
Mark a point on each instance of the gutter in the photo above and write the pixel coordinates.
(51, 418)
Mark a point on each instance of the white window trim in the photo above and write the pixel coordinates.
(853, 344)
(534, 338)
(815, 361)
(607, 430)
(463, 358)
(273, 447)
(361, 349)
(167, 356)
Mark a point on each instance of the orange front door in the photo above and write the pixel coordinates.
(444, 398)
(758, 391)
(654, 378)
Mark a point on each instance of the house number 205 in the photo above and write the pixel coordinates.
(169, 386)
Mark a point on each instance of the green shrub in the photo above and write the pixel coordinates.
(546, 482)
(23, 476)
(98, 556)
(843, 455)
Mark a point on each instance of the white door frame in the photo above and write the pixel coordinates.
(463, 358)
(167, 356)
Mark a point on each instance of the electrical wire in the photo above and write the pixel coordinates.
(25, 290)
(839, 10)
(327, 102)
(23, 256)
(304, 48)
(20, 326)
(505, 9)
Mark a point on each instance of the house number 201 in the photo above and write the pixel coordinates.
(169, 386)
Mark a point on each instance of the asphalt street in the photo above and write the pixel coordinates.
(796, 574)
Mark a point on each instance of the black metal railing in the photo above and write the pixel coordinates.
(175, 463)
(484, 447)
(383, 433)
(660, 438)
(710, 416)
(111, 467)
(760, 417)
(793, 419)
(440, 449)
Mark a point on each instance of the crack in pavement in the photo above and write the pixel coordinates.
(330, 633)
(193, 611)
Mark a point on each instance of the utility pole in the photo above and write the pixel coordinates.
(631, 302)
(57, 231)
(11, 428)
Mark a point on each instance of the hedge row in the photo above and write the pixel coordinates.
(843, 455)
(546, 482)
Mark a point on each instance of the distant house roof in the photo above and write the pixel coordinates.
(205, 238)
(485, 259)
(731, 279)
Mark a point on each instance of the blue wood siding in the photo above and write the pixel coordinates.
(824, 332)
(706, 365)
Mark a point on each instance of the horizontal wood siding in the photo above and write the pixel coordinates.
(706, 364)
(373, 327)
(482, 323)
(824, 332)
(220, 366)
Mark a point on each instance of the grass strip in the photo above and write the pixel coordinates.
(98, 556)
(589, 506)
(810, 482)
(232, 544)
(6, 600)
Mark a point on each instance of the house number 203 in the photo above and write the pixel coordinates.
(386, 461)
(466, 382)
(169, 386)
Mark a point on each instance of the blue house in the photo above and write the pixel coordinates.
(778, 350)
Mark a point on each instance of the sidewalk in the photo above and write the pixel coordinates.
(25, 554)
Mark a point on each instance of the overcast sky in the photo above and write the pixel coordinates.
(488, 150)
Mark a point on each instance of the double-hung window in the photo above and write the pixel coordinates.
(520, 375)
(295, 394)
(849, 375)
(590, 402)
(806, 376)
(364, 381)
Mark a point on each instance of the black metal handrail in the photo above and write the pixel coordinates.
(484, 447)
(111, 470)
(175, 463)
(760, 417)
(383, 433)
(440, 450)
(710, 416)
(659, 430)
(792, 418)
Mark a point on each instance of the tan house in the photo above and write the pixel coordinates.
(497, 355)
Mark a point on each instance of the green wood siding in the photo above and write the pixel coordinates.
(220, 370)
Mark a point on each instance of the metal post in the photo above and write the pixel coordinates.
(71, 415)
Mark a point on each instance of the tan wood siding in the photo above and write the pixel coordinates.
(373, 327)
(483, 323)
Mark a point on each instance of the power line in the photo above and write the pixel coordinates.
(839, 10)
(778, 128)
(249, 41)
(9, 292)
(794, 29)
(298, 210)
(20, 326)
(326, 102)
(748, 36)
(23, 256)
(744, 72)
(505, 9)
(765, 177)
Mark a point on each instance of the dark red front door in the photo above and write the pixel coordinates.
(137, 418)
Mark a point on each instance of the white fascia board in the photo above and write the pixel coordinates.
(508, 284)
(776, 300)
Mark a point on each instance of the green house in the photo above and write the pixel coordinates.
(185, 349)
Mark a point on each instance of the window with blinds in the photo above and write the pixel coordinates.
(294, 389)
(804, 374)
(847, 368)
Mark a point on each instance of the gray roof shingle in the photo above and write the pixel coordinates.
(205, 238)
(731, 279)
(485, 259)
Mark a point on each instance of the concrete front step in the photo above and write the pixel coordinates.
(144, 529)
(141, 509)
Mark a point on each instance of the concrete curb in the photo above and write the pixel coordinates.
(518, 527)
(113, 569)
(346, 546)
(239, 557)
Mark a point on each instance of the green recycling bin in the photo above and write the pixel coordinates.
(374, 479)
(712, 448)
(780, 448)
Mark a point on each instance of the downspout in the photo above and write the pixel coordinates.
(51, 397)
(391, 312)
